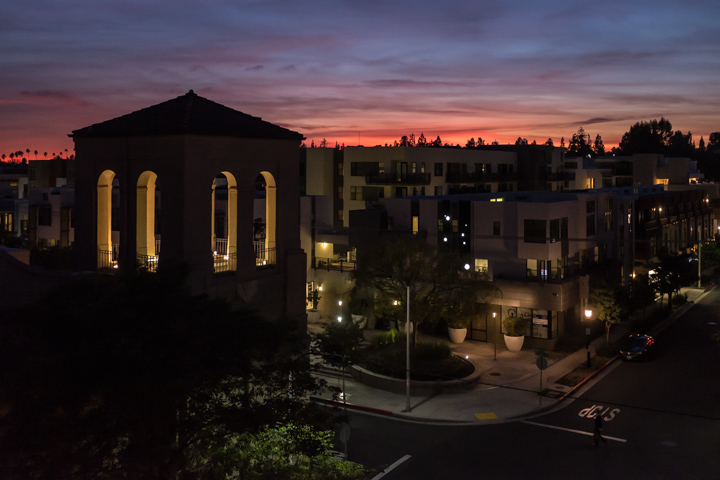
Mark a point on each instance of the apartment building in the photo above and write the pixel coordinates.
(639, 169)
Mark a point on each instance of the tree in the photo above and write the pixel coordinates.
(549, 142)
(521, 141)
(437, 142)
(138, 379)
(580, 144)
(598, 147)
(606, 308)
(422, 142)
(671, 273)
(647, 137)
(680, 145)
(470, 143)
(439, 286)
(323, 143)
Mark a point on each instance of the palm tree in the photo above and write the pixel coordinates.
(12, 156)
(35, 154)
(3, 157)
(45, 155)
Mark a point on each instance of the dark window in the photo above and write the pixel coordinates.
(496, 227)
(45, 215)
(590, 206)
(438, 169)
(401, 192)
(360, 169)
(590, 226)
(535, 231)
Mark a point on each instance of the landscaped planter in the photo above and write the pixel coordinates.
(457, 335)
(313, 316)
(514, 343)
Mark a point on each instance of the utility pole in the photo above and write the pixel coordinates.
(407, 354)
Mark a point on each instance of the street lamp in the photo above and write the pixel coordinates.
(495, 337)
(588, 315)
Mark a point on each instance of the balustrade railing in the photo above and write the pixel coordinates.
(225, 263)
(148, 262)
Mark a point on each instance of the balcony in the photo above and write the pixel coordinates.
(107, 261)
(148, 262)
(338, 265)
(476, 177)
(224, 262)
(397, 179)
(264, 257)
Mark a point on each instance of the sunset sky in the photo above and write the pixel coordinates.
(364, 72)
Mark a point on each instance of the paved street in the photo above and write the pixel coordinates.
(662, 421)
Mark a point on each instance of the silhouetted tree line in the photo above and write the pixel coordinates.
(23, 156)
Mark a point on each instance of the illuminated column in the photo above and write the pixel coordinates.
(212, 219)
(270, 215)
(145, 228)
(232, 217)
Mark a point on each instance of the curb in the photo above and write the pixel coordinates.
(352, 406)
(587, 379)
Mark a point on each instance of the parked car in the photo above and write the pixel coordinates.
(636, 346)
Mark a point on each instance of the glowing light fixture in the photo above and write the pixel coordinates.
(467, 266)
(339, 319)
(588, 313)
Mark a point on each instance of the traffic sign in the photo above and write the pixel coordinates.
(541, 363)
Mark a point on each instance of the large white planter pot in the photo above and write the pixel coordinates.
(313, 316)
(514, 344)
(457, 335)
(360, 320)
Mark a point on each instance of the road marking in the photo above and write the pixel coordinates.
(388, 469)
(589, 434)
(486, 416)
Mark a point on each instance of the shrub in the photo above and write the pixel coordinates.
(515, 326)
(680, 299)
(391, 337)
(432, 351)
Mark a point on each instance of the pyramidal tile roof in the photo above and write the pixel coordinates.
(188, 114)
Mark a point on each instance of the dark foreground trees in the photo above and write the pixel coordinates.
(138, 379)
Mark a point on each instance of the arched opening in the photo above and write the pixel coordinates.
(264, 219)
(224, 223)
(107, 201)
(147, 249)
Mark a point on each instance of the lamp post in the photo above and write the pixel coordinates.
(588, 315)
(495, 336)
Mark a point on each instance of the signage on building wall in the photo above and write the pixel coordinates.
(540, 326)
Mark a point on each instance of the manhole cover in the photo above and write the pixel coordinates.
(494, 374)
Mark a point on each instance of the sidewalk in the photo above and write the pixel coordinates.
(508, 388)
